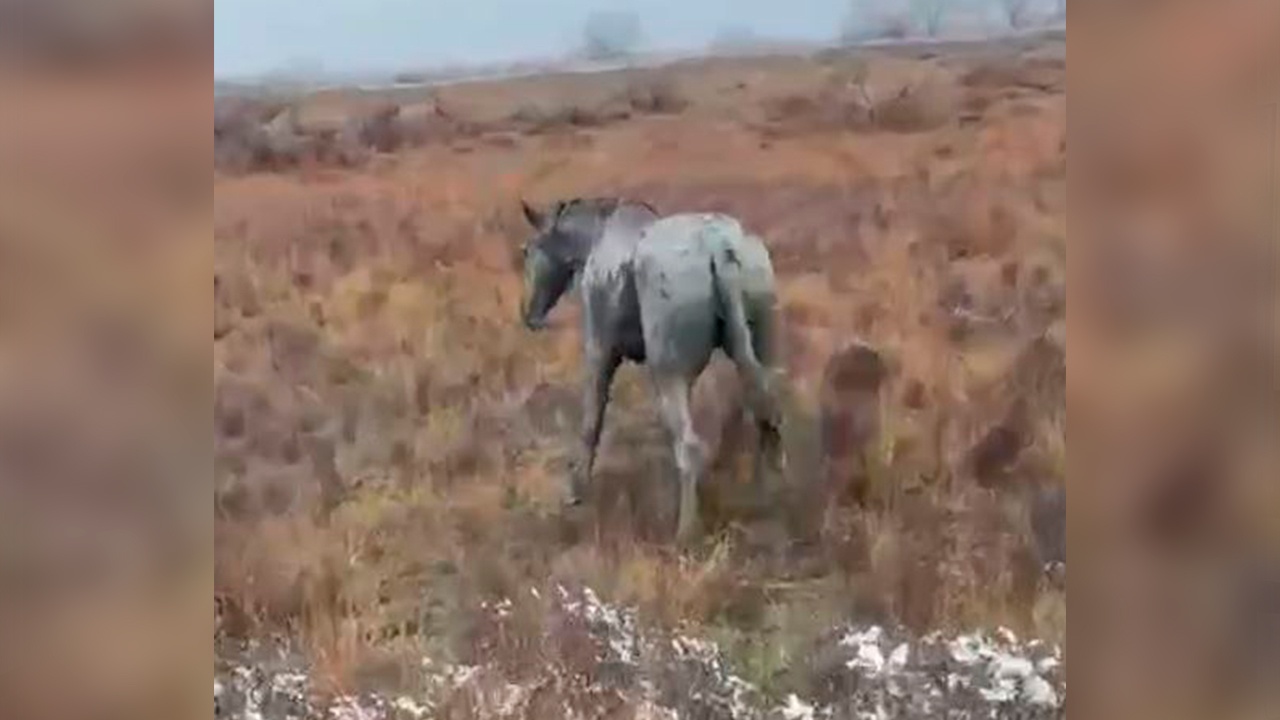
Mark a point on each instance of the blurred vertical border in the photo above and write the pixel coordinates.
(105, 392)
(1175, 479)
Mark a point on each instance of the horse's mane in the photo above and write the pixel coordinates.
(602, 206)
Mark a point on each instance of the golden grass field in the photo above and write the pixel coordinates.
(390, 440)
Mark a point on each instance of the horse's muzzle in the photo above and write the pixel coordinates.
(534, 323)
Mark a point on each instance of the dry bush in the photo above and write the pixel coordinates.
(654, 96)
(240, 139)
(1041, 74)
(339, 148)
(425, 122)
(391, 127)
(658, 95)
(534, 119)
(866, 92)
(851, 409)
(792, 106)
(804, 113)
(914, 109)
(526, 117)
(854, 99)
(379, 128)
(257, 136)
(234, 114)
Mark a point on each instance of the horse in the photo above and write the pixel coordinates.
(665, 292)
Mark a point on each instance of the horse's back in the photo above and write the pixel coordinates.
(678, 253)
(686, 246)
(677, 262)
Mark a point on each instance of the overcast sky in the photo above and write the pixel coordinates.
(256, 36)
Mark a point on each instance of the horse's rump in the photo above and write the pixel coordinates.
(700, 280)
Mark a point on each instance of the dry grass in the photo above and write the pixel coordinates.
(391, 443)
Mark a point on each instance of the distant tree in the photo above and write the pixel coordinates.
(931, 14)
(1017, 12)
(610, 35)
(869, 20)
(855, 25)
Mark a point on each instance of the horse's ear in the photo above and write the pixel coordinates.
(532, 214)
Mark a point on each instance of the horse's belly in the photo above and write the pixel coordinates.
(631, 342)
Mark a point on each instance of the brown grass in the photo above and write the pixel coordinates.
(391, 443)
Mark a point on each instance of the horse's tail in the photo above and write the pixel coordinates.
(727, 272)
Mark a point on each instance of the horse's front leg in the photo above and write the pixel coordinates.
(600, 368)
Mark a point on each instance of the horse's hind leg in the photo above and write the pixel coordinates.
(763, 341)
(595, 399)
(749, 342)
(691, 456)
(767, 413)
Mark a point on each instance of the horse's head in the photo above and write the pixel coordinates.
(549, 264)
(564, 235)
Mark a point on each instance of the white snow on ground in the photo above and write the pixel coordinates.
(876, 672)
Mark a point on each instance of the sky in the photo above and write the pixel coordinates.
(252, 37)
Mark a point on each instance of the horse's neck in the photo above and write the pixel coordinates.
(623, 227)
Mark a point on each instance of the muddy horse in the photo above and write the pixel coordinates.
(665, 292)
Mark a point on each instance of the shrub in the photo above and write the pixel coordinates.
(658, 95)
(259, 137)
(379, 129)
(535, 119)
(917, 108)
(912, 109)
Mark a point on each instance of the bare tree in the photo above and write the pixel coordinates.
(611, 35)
(868, 21)
(1017, 12)
(931, 14)
(856, 25)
